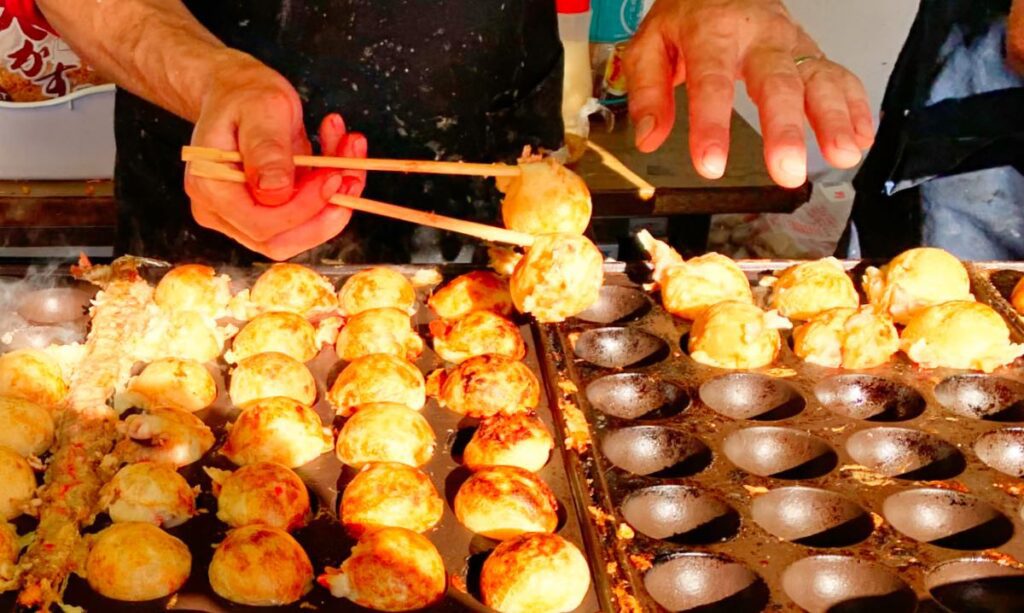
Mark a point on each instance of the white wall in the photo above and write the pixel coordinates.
(864, 35)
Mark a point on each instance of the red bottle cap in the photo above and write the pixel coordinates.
(572, 6)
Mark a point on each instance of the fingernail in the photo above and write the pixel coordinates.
(713, 160)
(794, 166)
(331, 186)
(273, 179)
(644, 127)
(844, 142)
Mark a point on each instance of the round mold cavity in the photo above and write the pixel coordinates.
(705, 582)
(811, 517)
(680, 514)
(615, 304)
(906, 454)
(620, 347)
(833, 584)
(782, 453)
(947, 519)
(982, 397)
(869, 398)
(55, 305)
(751, 396)
(655, 451)
(976, 584)
(1003, 450)
(632, 395)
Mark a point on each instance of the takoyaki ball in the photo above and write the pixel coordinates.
(501, 502)
(509, 440)
(25, 427)
(377, 378)
(560, 276)
(260, 566)
(804, 290)
(267, 375)
(847, 338)
(262, 493)
(959, 334)
(172, 436)
(170, 383)
(478, 333)
(489, 385)
(9, 550)
(385, 432)
(377, 288)
(293, 288)
(194, 287)
(389, 494)
(150, 492)
(687, 290)
(1017, 297)
(276, 430)
(186, 335)
(276, 332)
(379, 331)
(136, 561)
(389, 569)
(480, 290)
(32, 375)
(736, 335)
(917, 279)
(545, 198)
(19, 484)
(535, 573)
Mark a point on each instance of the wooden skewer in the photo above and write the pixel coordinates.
(214, 170)
(645, 189)
(195, 154)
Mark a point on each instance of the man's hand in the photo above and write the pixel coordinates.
(708, 45)
(1015, 37)
(281, 212)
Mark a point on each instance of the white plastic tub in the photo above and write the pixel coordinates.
(66, 138)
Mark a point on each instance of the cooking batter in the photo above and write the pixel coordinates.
(456, 79)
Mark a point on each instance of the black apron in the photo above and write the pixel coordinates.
(455, 80)
(917, 142)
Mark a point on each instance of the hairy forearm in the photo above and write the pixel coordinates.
(154, 48)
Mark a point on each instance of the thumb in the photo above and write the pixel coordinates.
(650, 79)
(265, 142)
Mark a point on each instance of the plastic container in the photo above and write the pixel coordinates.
(617, 20)
(65, 138)
(577, 84)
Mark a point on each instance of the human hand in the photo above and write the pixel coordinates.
(281, 211)
(708, 45)
(1015, 37)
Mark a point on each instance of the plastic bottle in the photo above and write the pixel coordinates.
(577, 84)
(613, 24)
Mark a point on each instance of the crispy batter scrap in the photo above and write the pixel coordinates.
(642, 561)
(1013, 489)
(755, 490)
(567, 386)
(864, 475)
(1003, 559)
(625, 532)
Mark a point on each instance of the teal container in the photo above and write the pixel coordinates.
(616, 20)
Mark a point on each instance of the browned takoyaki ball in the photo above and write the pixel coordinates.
(501, 502)
(266, 375)
(385, 432)
(25, 427)
(379, 331)
(278, 332)
(488, 385)
(260, 566)
(262, 493)
(377, 378)
(560, 275)
(389, 494)
(509, 440)
(535, 572)
(545, 198)
(478, 333)
(194, 287)
(480, 290)
(293, 288)
(151, 492)
(170, 383)
(136, 561)
(32, 375)
(377, 288)
(277, 430)
(390, 569)
(172, 436)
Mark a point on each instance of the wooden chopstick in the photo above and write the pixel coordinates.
(214, 170)
(645, 189)
(194, 154)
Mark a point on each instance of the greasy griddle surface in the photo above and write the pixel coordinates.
(748, 560)
(324, 539)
